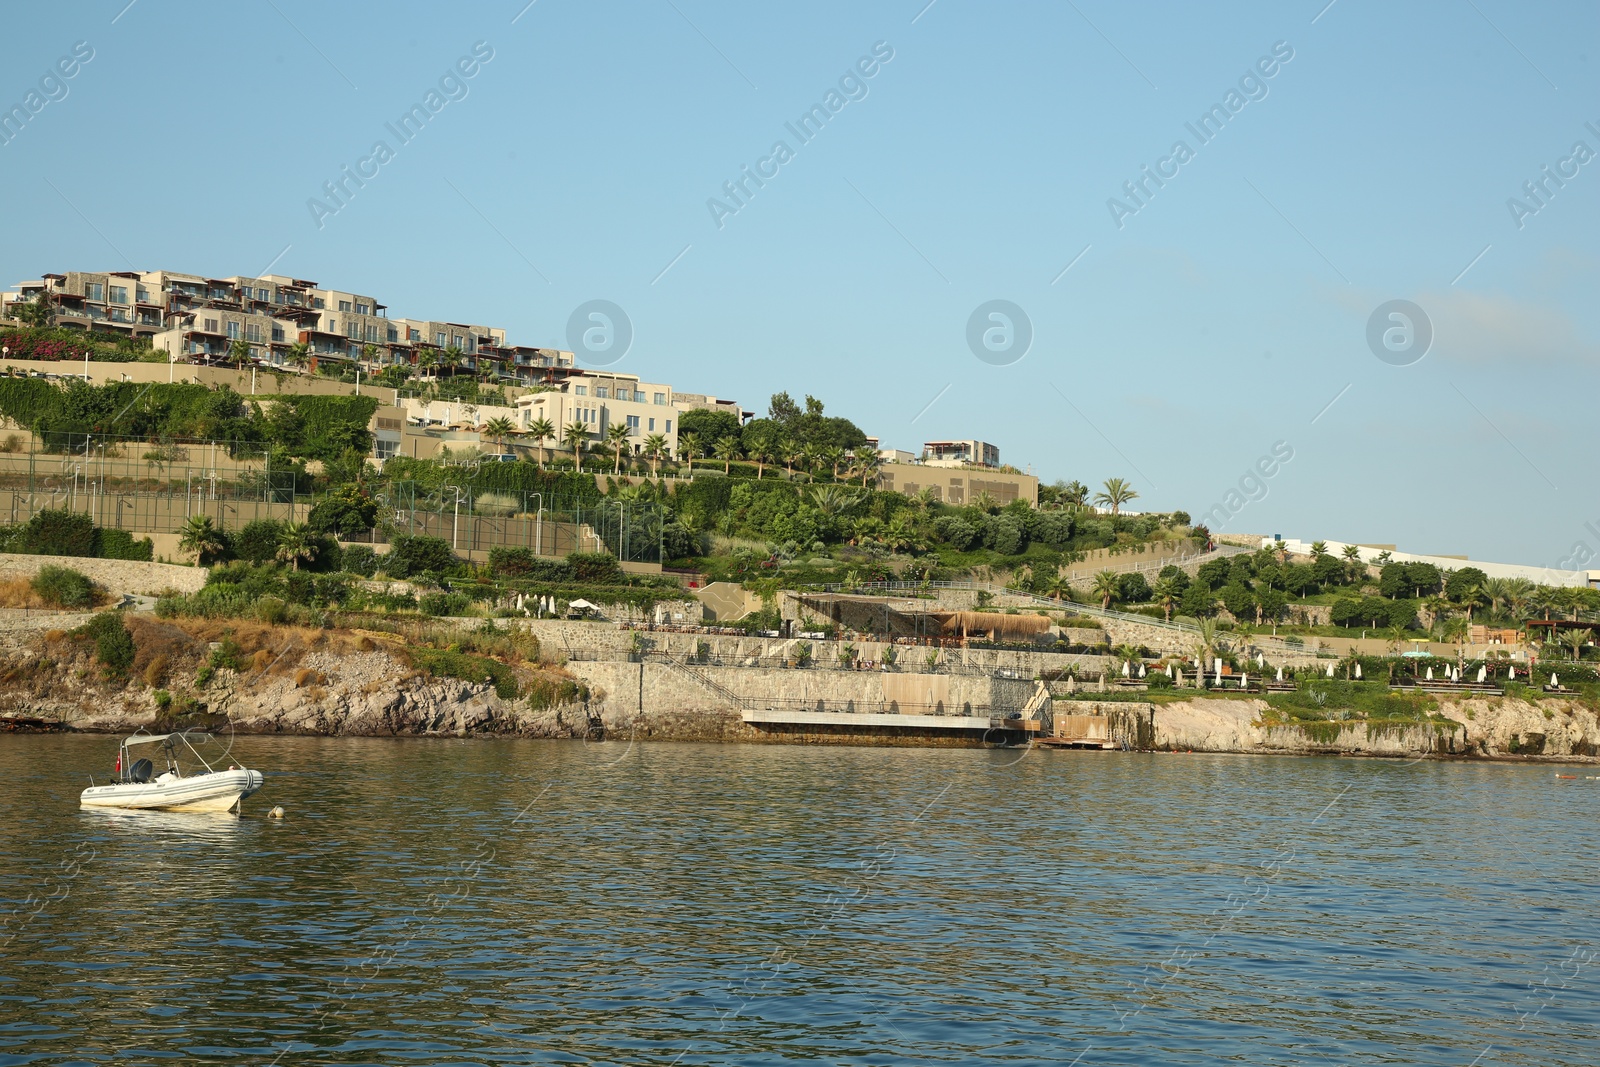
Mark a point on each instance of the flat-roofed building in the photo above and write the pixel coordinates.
(960, 453)
(600, 400)
(958, 485)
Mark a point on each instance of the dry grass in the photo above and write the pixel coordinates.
(18, 593)
(155, 672)
(306, 676)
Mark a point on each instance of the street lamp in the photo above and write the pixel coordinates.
(455, 523)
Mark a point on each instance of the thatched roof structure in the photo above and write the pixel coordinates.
(993, 623)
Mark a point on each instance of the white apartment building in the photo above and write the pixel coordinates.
(960, 454)
(600, 400)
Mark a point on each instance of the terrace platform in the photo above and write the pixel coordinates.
(857, 720)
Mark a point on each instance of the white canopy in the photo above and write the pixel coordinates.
(581, 605)
(189, 736)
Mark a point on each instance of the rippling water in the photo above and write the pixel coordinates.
(432, 902)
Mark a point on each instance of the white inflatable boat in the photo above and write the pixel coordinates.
(138, 786)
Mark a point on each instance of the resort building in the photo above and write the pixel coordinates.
(198, 319)
(960, 454)
(956, 485)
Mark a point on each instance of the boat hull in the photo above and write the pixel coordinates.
(217, 791)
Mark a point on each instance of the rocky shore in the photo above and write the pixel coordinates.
(352, 683)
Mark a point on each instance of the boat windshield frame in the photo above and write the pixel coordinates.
(169, 743)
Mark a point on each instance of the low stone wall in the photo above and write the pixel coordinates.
(117, 575)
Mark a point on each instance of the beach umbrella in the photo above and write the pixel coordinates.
(1483, 672)
(1358, 670)
(1219, 670)
(1430, 674)
(1280, 674)
(1125, 671)
(1141, 670)
(1511, 674)
(1261, 661)
(1330, 670)
(1553, 680)
(1172, 672)
(1197, 663)
(1244, 679)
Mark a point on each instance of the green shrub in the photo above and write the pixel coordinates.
(444, 604)
(257, 541)
(113, 644)
(64, 587)
(359, 559)
(448, 663)
(111, 543)
(411, 555)
(57, 533)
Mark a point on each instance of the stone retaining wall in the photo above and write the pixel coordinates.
(117, 575)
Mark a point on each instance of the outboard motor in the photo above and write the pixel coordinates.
(140, 772)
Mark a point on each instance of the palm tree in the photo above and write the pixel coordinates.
(1058, 588)
(1396, 636)
(791, 453)
(617, 437)
(201, 536)
(1469, 596)
(1544, 600)
(833, 456)
(451, 360)
(1107, 584)
(655, 446)
(1167, 595)
(1575, 640)
(1074, 493)
(1517, 592)
(575, 436)
(499, 428)
(984, 501)
(867, 462)
(1116, 492)
(727, 450)
(295, 544)
(541, 429)
(428, 361)
(1208, 640)
(1498, 592)
(239, 351)
(831, 500)
(299, 354)
(689, 448)
(762, 453)
(1352, 561)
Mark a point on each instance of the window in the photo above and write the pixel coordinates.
(119, 294)
(372, 333)
(263, 294)
(652, 425)
(455, 339)
(581, 390)
(661, 398)
(280, 296)
(95, 291)
(233, 331)
(472, 344)
(210, 326)
(394, 335)
(252, 332)
(363, 309)
(277, 332)
(385, 449)
(142, 295)
(669, 425)
(413, 335)
(344, 305)
(600, 391)
(438, 338)
(317, 302)
(352, 328)
(633, 426)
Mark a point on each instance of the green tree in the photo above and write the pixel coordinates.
(689, 448)
(1107, 584)
(655, 447)
(575, 436)
(541, 430)
(295, 543)
(39, 312)
(201, 536)
(1115, 493)
(727, 450)
(239, 351)
(1167, 592)
(498, 429)
(617, 437)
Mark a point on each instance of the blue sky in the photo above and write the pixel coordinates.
(1222, 317)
